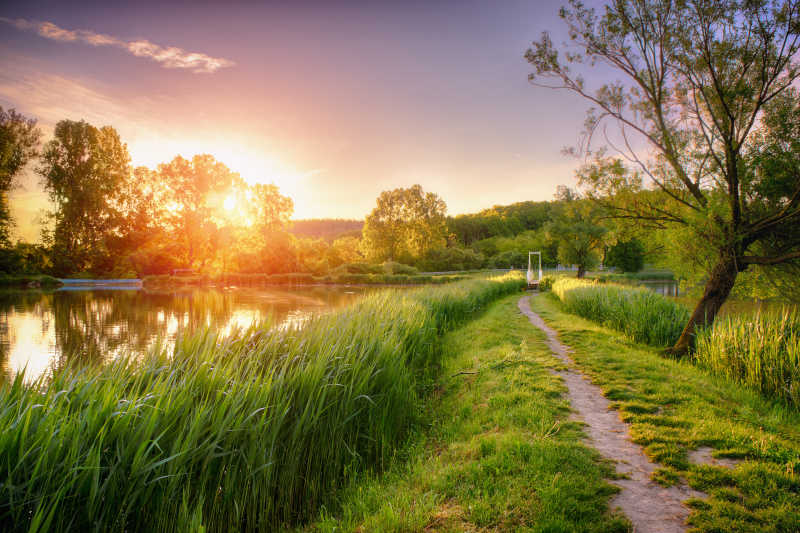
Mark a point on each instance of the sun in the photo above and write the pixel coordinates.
(230, 202)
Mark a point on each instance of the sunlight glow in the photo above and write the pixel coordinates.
(230, 202)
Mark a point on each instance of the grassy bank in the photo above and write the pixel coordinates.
(644, 275)
(246, 433)
(255, 280)
(761, 351)
(499, 454)
(641, 314)
(674, 407)
(28, 281)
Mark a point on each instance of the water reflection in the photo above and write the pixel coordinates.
(45, 330)
(664, 288)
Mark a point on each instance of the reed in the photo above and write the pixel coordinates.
(639, 313)
(761, 351)
(248, 432)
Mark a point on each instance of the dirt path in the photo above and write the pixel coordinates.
(649, 506)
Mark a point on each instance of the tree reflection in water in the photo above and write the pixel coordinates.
(46, 330)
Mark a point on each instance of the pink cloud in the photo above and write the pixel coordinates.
(168, 57)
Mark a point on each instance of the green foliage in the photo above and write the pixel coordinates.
(85, 171)
(404, 226)
(577, 231)
(24, 258)
(451, 258)
(328, 229)
(641, 314)
(251, 431)
(718, 106)
(627, 256)
(761, 351)
(500, 220)
(393, 267)
(19, 143)
(28, 281)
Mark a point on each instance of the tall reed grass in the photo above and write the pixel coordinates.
(639, 313)
(761, 351)
(244, 433)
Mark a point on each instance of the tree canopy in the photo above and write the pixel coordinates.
(707, 86)
(405, 225)
(19, 143)
(84, 170)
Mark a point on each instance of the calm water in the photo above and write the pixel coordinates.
(44, 330)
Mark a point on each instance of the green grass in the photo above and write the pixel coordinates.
(247, 433)
(761, 351)
(641, 314)
(674, 406)
(499, 452)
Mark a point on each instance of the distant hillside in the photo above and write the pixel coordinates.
(500, 220)
(328, 229)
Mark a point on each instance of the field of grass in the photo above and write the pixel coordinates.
(639, 313)
(674, 406)
(498, 454)
(246, 433)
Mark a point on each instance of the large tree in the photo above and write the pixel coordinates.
(700, 81)
(85, 171)
(19, 143)
(194, 197)
(405, 225)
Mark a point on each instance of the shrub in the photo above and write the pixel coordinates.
(392, 267)
(627, 256)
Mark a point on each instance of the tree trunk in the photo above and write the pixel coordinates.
(581, 271)
(718, 287)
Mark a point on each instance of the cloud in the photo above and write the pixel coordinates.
(168, 57)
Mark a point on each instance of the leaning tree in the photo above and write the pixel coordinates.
(705, 116)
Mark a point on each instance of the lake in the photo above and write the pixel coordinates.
(47, 329)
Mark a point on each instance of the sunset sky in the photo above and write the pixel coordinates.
(332, 101)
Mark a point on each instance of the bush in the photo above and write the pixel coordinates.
(358, 268)
(392, 267)
(453, 258)
(761, 351)
(627, 256)
(247, 433)
(641, 314)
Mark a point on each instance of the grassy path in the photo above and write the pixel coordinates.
(674, 408)
(501, 453)
(651, 508)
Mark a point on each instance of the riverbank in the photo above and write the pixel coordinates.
(249, 432)
(28, 281)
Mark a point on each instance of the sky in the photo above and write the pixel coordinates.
(333, 102)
